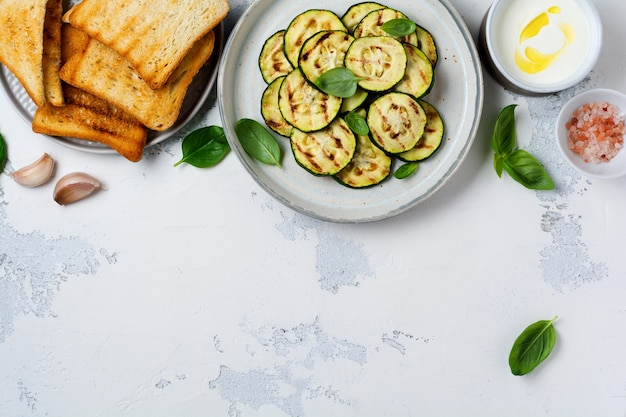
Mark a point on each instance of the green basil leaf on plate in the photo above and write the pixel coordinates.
(406, 170)
(357, 123)
(339, 82)
(399, 27)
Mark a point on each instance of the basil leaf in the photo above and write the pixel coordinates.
(519, 164)
(525, 169)
(357, 123)
(258, 142)
(406, 170)
(340, 82)
(504, 139)
(3, 153)
(498, 164)
(532, 347)
(399, 27)
(204, 147)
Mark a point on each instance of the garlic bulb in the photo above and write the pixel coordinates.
(75, 186)
(35, 174)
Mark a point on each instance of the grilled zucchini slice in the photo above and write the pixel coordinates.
(305, 107)
(396, 122)
(305, 25)
(371, 25)
(270, 110)
(325, 152)
(426, 43)
(322, 52)
(272, 60)
(378, 61)
(357, 12)
(355, 101)
(419, 75)
(431, 138)
(369, 165)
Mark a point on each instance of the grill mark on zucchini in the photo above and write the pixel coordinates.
(431, 138)
(271, 111)
(418, 78)
(369, 165)
(396, 122)
(322, 52)
(304, 106)
(357, 12)
(324, 152)
(426, 43)
(272, 61)
(371, 25)
(378, 61)
(304, 26)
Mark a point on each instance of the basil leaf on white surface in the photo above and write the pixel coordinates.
(525, 169)
(504, 138)
(522, 166)
(258, 142)
(205, 147)
(3, 153)
(532, 346)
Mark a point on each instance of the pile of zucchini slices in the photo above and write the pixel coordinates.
(394, 74)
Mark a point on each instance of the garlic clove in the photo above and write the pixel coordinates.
(75, 186)
(35, 174)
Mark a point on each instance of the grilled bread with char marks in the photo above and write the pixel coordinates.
(21, 40)
(85, 116)
(106, 74)
(154, 36)
(51, 59)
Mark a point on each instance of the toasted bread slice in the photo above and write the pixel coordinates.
(106, 74)
(21, 40)
(73, 41)
(87, 117)
(154, 36)
(51, 59)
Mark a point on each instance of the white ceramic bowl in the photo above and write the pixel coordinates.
(498, 38)
(614, 168)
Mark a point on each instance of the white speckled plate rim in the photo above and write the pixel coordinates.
(457, 94)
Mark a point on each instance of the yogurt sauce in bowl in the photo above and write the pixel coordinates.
(542, 46)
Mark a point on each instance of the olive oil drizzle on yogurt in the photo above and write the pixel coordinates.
(542, 42)
(529, 58)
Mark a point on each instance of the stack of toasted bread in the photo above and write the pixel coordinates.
(108, 71)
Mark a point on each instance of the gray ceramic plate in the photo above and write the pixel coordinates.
(196, 96)
(457, 94)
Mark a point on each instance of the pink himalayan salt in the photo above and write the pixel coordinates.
(596, 132)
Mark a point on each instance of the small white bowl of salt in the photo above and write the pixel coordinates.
(590, 132)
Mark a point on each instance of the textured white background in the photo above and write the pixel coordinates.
(188, 292)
